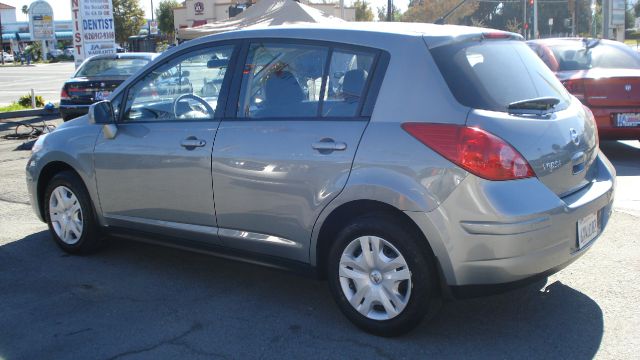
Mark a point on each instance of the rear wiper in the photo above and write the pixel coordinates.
(537, 106)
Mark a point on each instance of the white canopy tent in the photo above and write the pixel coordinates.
(263, 13)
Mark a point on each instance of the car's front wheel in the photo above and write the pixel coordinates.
(69, 214)
(381, 275)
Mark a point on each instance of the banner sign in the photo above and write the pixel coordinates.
(41, 21)
(93, 28)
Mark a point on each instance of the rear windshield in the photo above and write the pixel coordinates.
(578, 57)
(111, 67)
(492, 74)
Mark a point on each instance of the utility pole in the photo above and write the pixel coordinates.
(1, 42)
(524, 19)
(606, 18)
(535, 19)
(389, 10)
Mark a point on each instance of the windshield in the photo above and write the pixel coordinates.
(606, 56)
(492, 74)
(111, 67)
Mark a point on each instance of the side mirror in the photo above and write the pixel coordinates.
(217, 63)
(101, 113)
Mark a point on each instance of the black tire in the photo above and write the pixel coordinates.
(424, 297)
(90, 239)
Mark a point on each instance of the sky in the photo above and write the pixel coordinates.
(62, 8)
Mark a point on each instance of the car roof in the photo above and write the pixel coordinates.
(382, 35)
(572, 41)
(134, 55)
(310, 30)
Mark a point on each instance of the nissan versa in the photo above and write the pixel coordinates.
(400, 162)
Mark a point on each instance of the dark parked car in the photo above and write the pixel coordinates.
(604, 75)
(96, 79)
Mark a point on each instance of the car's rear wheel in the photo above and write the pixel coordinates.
(381, 275)
(69, 214)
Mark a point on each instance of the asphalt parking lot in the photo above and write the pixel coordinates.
(138, 301)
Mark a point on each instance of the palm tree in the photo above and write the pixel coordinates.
(25, 9)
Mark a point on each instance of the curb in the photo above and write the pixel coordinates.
(26, 113)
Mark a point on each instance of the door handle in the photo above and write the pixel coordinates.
(327, 145)
(192, 142)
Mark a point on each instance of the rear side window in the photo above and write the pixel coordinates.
(346, 81)
(492, 74)
(283, 80)
(111, 67)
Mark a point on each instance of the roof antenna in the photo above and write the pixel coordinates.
(441, 19)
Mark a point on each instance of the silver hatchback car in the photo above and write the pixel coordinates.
(400, 162)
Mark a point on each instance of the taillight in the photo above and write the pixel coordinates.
(592, 119)
(575, 87)
(496, 35)
(64, 95)
(473, 149)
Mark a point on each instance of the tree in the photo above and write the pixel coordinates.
(164, 14)
(25, 9)
(629, 16)
(363, 11)
(128, 17)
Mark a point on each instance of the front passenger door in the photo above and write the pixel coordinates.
(155, 175)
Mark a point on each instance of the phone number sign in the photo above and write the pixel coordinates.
(93, 28)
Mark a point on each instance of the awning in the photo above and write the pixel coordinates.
(60, 35)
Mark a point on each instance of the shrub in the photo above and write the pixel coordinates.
(26, 101)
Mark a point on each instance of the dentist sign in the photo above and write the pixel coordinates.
(93, 28)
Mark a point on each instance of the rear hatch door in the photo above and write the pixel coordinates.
(612, 87)
(559, 142)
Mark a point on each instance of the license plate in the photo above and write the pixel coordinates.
(588, 229)
(628, 120)
(102, 95)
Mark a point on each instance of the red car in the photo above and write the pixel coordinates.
(604, 75)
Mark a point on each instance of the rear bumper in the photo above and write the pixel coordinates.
(501, 234)
(605, 118)
(71, 111)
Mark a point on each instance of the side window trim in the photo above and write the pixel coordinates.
(325, 78)
(231, 106)
(369, 95)
(224, 91)
(374, 83)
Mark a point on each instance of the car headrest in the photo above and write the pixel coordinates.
(283, 88)
(353, 82)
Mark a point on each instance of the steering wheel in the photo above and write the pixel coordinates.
(194, 97)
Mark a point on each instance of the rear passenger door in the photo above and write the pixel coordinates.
(285, 150)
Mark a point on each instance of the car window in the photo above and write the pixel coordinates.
(602, 55)
(347, 78)
(111, 67)
(186, 88)
(490, 75)
(282, 80)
